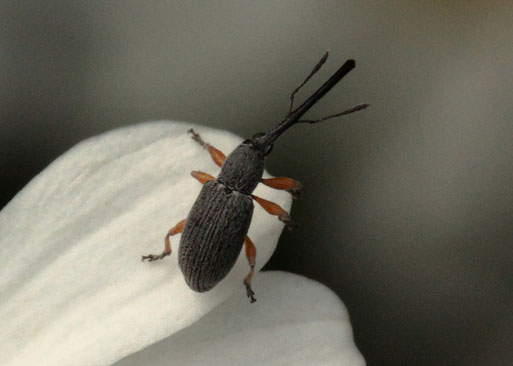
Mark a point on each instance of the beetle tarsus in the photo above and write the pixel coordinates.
(251, 255)
(196, 137)
(177, 229)
(155, 257)
(215, 154)
(287, 220)
(250, 293)
(295, 193)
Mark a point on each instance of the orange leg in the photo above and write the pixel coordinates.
(202, 177)
(290, 185)
(216, 155)
(276, 210)
(177, 229)
(251, 255)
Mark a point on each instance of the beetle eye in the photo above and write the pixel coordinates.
(252, 139)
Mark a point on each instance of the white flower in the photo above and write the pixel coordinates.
(74, 291)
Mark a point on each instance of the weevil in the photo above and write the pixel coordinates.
(217, 225)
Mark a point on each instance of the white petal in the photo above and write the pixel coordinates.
(296, 321)
(73, 288)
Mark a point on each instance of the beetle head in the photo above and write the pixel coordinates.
(260, 142)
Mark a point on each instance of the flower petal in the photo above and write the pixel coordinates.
(73, 288)
(296, 321)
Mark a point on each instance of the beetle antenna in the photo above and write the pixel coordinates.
(356, 108)
(293, 117)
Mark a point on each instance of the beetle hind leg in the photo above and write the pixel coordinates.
(177, 229)
(251, 255)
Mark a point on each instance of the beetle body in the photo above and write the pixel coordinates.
(223, 211)
(217, 225)
(206, 256)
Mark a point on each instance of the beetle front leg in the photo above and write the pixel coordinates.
(215, 154)
(201, 176)
(290, 185)
(251, 255)
(177, 229)
(276, 210)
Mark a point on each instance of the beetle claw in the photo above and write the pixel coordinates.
(250, 293)
(154, 257)
(196, 137)
(295, 193)
(289, 223)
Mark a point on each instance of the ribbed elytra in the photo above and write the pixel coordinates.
(206, 256)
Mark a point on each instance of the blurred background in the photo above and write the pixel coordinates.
(406, 211)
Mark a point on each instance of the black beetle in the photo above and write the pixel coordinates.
(218, 223)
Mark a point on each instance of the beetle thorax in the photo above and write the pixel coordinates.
(242, 169)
